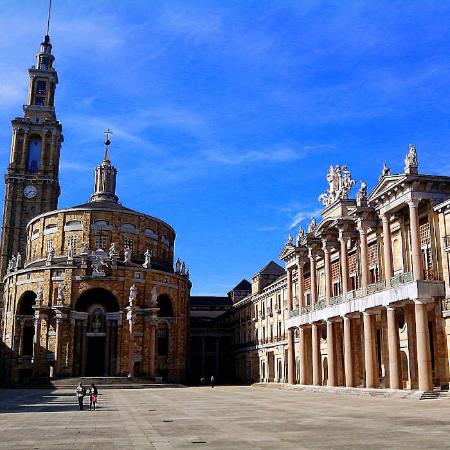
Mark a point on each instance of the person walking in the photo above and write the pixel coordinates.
(81, 392)
(213, 380)
(93, 392)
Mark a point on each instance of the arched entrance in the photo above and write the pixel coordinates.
(96, 333)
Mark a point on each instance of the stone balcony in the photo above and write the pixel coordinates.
(402, 287)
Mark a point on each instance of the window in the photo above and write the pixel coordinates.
(373, 273)
(43, 63)
(72, 242)
(41, 87)
(353, 281)
(336, 288)
(128, 242)
(101, 241)
(34, 154)
(163, 342)
(308, 298)
(39, 101)
(50, 245)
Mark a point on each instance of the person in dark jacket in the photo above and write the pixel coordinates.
(81, 392)
(93, 392)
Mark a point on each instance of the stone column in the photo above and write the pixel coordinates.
(152, 352)
(22, 324)
(312, 265)
(394, 349)
(291, 357)
(315, 343)
(344, 263)
(364, 256)
(369, 351)
(131, 348)
(84, 348)
(387, 249)
(301, 284)
(327, 266)
(302, 354)
(331, 347)
(348, 352)
(107, 348)
(59, 321)
(423, 347)
(24, 159)
(289, 289)
(416, 252)
(37, 344)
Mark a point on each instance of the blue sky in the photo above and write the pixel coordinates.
(226, 115)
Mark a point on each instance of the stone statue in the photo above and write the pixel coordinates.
(18, 261)
(50, 255)
(127, 255)
(60, 296)
(411, 163)
(154, 299)
(96, 322)
(385, 171)
(301, 235)
(148, 259)
(133, 295)
(183, 268)
(84, 249)
(178, 266)
(290, 240)
(187, 274)
(312, 227)
(98, 262)
(70, 251)
(361, 195)
(39, 295)
(113, 251)
(340, 183)
(12, 263)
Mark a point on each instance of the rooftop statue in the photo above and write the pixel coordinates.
(312, 227)
(411, 163)
(361, 195)
(301, 236)
(290, 240)
(340, 183)
(385, 171)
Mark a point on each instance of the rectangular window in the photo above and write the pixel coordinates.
(128, 242)
(41, 87)
(353, 282)
(336, 288)
(72, 241)
(101, 242)
(49, 245)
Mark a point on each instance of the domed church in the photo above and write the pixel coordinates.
(89, 290)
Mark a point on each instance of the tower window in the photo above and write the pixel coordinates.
(34, 154)
(43, 63)
(39, 101)
(41, 87)
(101, 241)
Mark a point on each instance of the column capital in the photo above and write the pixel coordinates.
(413, 202)
(385, 217)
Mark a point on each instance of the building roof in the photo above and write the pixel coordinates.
(209, 300)
(244, 285)
(271, 268)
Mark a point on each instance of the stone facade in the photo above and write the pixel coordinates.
(363, 301)
(88, 290)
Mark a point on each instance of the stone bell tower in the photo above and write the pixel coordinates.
(32, 185)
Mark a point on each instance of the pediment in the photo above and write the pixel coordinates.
(386, 184)
(287, 250)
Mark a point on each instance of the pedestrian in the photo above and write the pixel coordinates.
(81, 392)
(93, 392)
(213, 380)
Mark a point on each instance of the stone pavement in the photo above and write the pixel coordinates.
(226, 417)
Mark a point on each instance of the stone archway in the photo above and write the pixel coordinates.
(95, 344)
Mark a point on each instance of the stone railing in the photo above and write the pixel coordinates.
(352, 295)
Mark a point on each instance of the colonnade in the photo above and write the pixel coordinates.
(366, 316)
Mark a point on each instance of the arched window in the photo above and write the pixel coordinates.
(165, 306)
(34, 153)
(26, 303)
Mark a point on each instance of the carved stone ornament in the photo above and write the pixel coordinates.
(99, 260)
(340, 183)
(154, 299)
(411, 162)
(127, 255)
(60, 297)
(361, 195)
(301, 236)
(39, 296)
(84, 249)
(385, 171)
(113, 251)
(312, 227)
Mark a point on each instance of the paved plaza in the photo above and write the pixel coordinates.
(224, 417)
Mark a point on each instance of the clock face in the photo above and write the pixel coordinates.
(30, 191)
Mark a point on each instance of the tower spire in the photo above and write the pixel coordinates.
(105, 177)
(48, 17)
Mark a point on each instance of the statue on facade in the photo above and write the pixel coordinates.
(113, 251)
(98, 261)
(290, 240)
(188, 274)
(50, 255)
(133, 295)
(178, 266)
(148, 259)
(39, 295)
(301, 236)
(361, 195)
(60, 290)
(18, 261)
(340, 183)
(12, 264)
(84, 248)
(385, 171)
(411, 163)
(70, 251)
(127, 255)
(183, 268)
(312, 227)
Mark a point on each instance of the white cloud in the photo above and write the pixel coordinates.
(302, 215)
(235, 158)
